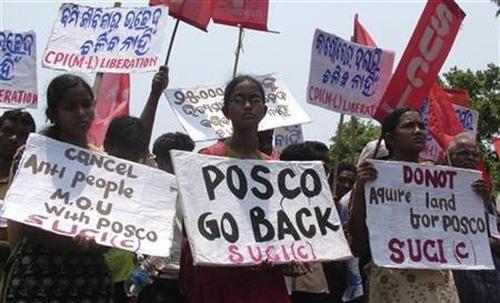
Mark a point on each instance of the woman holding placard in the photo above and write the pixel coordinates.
(45, 267)
(404, 134)
(244, 105)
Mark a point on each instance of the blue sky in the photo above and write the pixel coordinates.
(200, 58)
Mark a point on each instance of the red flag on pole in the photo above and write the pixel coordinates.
(443, 121)
(458, 96)
(246, 13)
(361, 35)
(112, 101)
(195, 12)
(424, 55)
(496, 146)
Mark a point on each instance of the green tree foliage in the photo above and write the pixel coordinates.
(484, 91)
(366, 131)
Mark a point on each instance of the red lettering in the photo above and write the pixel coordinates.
(235, 257)
(395, 247)
(35, 219)
(459, 251)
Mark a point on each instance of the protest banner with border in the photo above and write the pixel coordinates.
(467, 117)
(18, 81)
(244, 212)
(76, 191)
(113, 39)
(426, 217)
(199, 109)
(347, 77)
(284, 136)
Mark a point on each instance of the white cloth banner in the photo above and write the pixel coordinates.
(244, 212)
(199, 109)
(68, 190)
(117, 40)
(288, 135)
(18, 84)
(427, 217)
(347, 77)
(467, 117)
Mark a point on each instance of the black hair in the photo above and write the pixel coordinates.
(346, 166)
(55, 92)
(305, 151)
(237, 80)
(169, 141)
(128, 135)
(389, 126)
(19, 116)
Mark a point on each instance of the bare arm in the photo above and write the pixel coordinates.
(159, 84)
(357, 216)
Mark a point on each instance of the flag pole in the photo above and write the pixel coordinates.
(340, 130)
(172, 41)
(238, 49)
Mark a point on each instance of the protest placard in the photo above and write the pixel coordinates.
(118, 40)
(76, 191)
(467, 117)
(18, 85)
(347, 77)
(288, 135)
(244, 212)
(199, 109)
(426, 217)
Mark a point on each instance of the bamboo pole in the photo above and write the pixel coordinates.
(238, 50)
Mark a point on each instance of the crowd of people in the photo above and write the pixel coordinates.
(39, 266)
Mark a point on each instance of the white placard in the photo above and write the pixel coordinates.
(467, 117)
(18, 85)
(347, 77)
(424, 216)
(288, 135)
(244, 212)
(493, 225)
(199, 109)
(114, 39)
(68, 190)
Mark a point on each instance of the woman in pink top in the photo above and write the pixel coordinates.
(244, 105)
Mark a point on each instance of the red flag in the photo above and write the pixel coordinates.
(443, 121)
(458, 96)
(195, 12)
(424, 55)
(361, 35)
(496, 146)
(112, 101)
(247, 13)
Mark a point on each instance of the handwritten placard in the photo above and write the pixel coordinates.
(288, 135)
(76, 191)
(94, 39)
(467, 117)
(347, 77)
(426, 216)
(18, 84)
(244, 212)
(199, 109)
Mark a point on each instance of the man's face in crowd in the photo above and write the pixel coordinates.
(13, 134)
(345, 182)
(463, 153)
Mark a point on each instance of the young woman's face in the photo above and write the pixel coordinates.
(245, 107)
(75, 111)
(409, 134)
